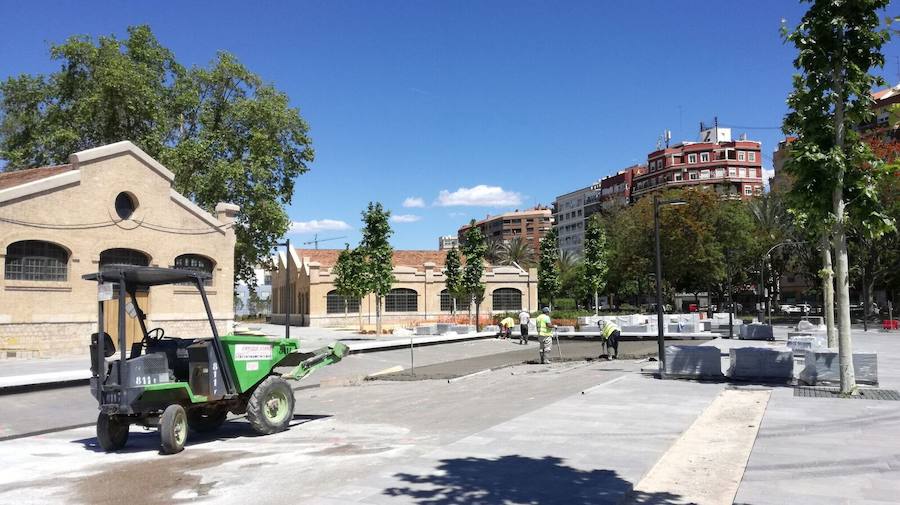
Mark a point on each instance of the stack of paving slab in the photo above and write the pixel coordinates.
(801, 344)
(720, 320)
(491, 328)
(758, 363)
(590, 329)
(823, 366)
(565, 329)
(443, 328)
(693, 362)
(428, 329)
(756, 331)
(462, 329)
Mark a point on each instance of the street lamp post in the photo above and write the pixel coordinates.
(765, 291)
(289, 298)
(660, 335)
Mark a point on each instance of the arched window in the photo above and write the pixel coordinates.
(196, 263)
(462, 302)
(35, 260)
(401, 300)
(507, 299)
(337, 304)
(122, 256)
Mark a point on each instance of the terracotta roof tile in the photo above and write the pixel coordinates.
(19, 177)
(328, 257)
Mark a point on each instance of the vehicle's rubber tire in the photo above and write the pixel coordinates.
(271, 406)
(112, 432)
(206, 420)
(173, 429)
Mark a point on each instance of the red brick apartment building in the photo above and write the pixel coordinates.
(530, 225)
(731, 167)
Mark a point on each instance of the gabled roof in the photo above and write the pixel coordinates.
(19, 177)
(411, 258)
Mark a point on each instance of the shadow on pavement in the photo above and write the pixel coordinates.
(519, 479)
(141, 440)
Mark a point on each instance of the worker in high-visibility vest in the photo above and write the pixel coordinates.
(610, 335)
(545, 334)
(506, 325)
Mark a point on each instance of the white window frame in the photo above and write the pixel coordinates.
(694, 175)
(704, 157)
(741, 156)
(732, 172)
(751, 156)
(679, 176)
(704, 174)
(720, 172)
(692, 158)
(742, 172)
(748, 190)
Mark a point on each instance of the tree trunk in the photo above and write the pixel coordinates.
(477, 314)
(842, 262)
(828, 292)
(596, 304)
(378, 315)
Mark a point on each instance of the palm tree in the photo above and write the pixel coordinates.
(494, 254)
(567, 261)
(518, 251)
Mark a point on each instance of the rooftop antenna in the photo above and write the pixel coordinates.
(316, 240)
(668, 137)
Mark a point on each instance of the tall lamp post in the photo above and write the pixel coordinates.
(660, 335)
(289, 293)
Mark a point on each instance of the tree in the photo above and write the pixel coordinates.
(377, 255)
(225, 134)
(453, 278)
(474, 251)
(548, 269)
(834, 171)
(494, 252)
(518, 252)
(596, 259)
(350, 277)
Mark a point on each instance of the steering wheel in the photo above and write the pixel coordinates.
(156, 334)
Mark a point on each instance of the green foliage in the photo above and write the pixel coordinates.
(350, 274)
(517, 251)
(453, 273)
(837, 43)
(225, 134)
(474, 250)
(596, 255)
(548, 270)
(376, 250)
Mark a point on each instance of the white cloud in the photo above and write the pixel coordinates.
(317, 225)
(767, 174)
(414, 202)
(405, 218)
(480, 196)
(457, 214)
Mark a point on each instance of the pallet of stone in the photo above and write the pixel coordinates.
(756, 331)
(491, 328)
(428, 329)
(681, 328)
(565, 329)
(823, 366)
(757, 363)
(462, 329)
(638, 328)
(693, 362)
(590, 329)
(443, 328)
(800, 345)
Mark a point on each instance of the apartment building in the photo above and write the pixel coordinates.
(530, 225)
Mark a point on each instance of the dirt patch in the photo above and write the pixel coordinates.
(349, 450)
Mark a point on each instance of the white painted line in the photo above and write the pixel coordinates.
(44, 378)
(393, 369)
(456, 379)
(603, 384)
(706, 464)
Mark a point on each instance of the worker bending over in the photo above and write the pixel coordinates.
(610, 334)
(545, 334)
(506, 327)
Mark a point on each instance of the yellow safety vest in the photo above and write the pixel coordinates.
(543, 323)
(508, 322)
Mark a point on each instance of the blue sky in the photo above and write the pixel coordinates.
(464, 108)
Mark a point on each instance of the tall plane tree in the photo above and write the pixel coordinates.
(350, 278)
(835, 173)
(596, 259)
(378, 255)
(474, 250)
(453, 277)
(548, 267)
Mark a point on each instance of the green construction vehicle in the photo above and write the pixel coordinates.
(177, 384)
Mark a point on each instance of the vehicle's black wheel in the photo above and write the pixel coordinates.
(112, 432)
(271, 406)
(173, 429)
(205, 420)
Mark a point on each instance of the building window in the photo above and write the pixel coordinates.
(720, 172)
(462, 301)
(678, 176)
(125, 205)
(196, 263)
(740, 155)
(507, 299)
(694, 176)
(35, 260)
(748, 190)
(742, 172)
(337, 304)
(692, 158)
(751, 156)
(732, 172)
(123, 257)
(401, 300)
(704, 174)
(704, 157)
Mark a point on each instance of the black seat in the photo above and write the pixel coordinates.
(109, 348)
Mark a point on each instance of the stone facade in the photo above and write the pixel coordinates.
(74, 209)
(419, 272)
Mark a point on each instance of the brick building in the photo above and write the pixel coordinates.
(530, 225)
(731, 167)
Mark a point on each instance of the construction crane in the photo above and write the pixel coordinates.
(316, 240)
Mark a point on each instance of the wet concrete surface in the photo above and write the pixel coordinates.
(567, 350)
